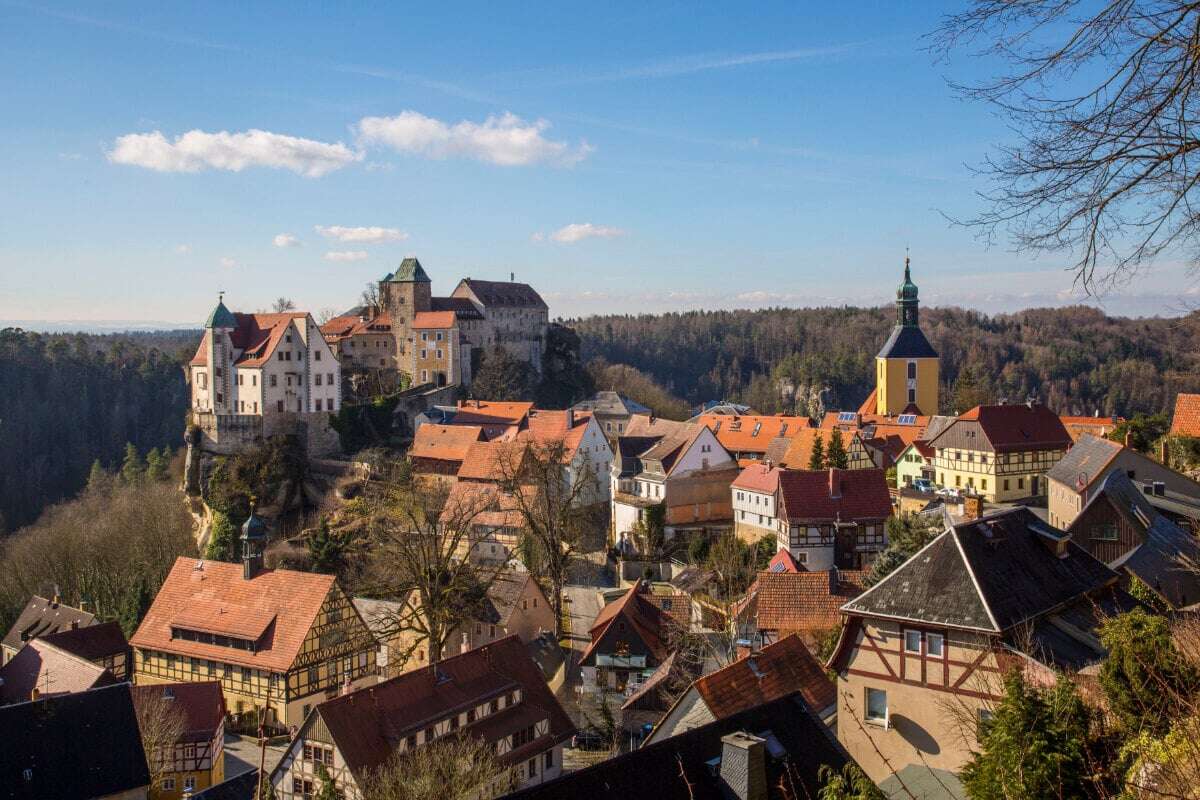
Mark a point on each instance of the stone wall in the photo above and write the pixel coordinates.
(226, 434)
(419, 399)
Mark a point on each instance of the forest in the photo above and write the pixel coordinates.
(67, 401)
(1078, 360)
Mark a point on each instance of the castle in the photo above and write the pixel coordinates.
(439, 340)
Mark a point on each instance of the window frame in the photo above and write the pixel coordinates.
(867, 717)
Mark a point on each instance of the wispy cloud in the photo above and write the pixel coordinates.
(95, 22)
(346, 255)
(505, 140)
(197, 150)
(578, 231)
(371, 235)
(183, 249)
(442, 87)
(285, 240)
(228, 263)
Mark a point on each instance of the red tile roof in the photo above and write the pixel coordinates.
(751, 433)
(775, 671)
(782, 561)
(429, 320)
(835, 494)
(445, 442)
(481, 504)
(759, 478)
(92, 642)
(640, 611)
(803, 602)
(49, 669)
(547, 427)
(291, 599)
(1016, 427)
(367, 725)
(491, 412)
(490, 461)
(256, 336)
(354, 325)
(202, 704)
(871, 404)
(1186, 419)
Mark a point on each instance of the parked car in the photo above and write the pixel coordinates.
(923, 485)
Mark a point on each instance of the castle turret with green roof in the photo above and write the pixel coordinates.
(221, 317)
(404, 294)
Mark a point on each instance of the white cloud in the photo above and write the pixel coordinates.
(372, 235)
(505, 140)
(538, 237)
(183, 249)
(578, 231)
(345, 255)
(228, 263)
(197, 150)
(285, 240)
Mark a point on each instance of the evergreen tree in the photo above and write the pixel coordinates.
(1145, 679)
(98, 478)
(156, 465)
(849, 784)
(132, 468)
(222, 539)
(328, 790)
(326, 548)
(1036, 745)
(837, 456)
(817, 459)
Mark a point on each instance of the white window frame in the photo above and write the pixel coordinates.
(940, 638)
(867, 707)
(920, 641)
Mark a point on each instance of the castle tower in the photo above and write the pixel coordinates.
(906, 369)
(403, 294)
(220, 327)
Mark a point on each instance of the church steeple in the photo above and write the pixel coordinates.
(906, 299)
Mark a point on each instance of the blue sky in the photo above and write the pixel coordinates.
(617, 157)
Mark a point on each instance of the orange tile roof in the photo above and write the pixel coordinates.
(776, 671)
(487, 461)
(353, 325)
(202, 703)
(429, 320)
(1186, 419)
(491, 412)
(799, 451)
(645, 616)
(758, 478)
(548, 427)
(751, 433)
(291, 598)
(445, 442)
(482, 504)
(803, 602)
(870, 405)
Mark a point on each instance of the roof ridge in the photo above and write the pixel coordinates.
(894, 572)
(974, 580)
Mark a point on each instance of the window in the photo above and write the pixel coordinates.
(189, 783)
(1006, 484)
(935, 645)
(985, 720)
(877, 707)
(329, 378)
(1105, 532)
(1020, 483)
(439, 353)
(274, 380)
(912, 395)
(424, 354)
(318, 404)
(912, 370)
(318, 379)
(279, 405)
(411, 742)
(548, 761)
(912, 641)
(240, 376)
(439, 336)
(429, 734)
(280, 354)
(317, 357)
(168, 784)
(532, 767)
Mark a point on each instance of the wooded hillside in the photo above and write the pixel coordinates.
(1078, 360)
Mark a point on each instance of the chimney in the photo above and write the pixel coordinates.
(1160, 489)
(744, 766)
(570, 418)
(972, 506)
(1129, 438)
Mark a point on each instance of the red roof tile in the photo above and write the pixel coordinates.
(775, 671)
(445, 442)
(751, 433)
(429, 320)
(49, 669)
(1016, 427)
(642, 613)
(835, 494)
(291, 598)
(758, 478)
(256, 336)
(1186, 419)
(803, 602)
(202, 704)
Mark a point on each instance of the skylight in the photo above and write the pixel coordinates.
(907, 419)
(846, 416)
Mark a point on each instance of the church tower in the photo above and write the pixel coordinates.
(404, 294)
(906, 369)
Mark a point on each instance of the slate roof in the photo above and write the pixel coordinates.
(835, 494)
(367, 724)
(1185, 421)
(611, 404)
(643, 614)
(776, 671)
(505, 591)
(504, 293)
(41, 617)
(285, 600)
(50, 670)
(92, 642)
(1089, 457)
(989, 574)
(202, 704)
(1167, 560)
(53, 744)
(798, 744)
(240, 787)
(907, 341)
(462, 307)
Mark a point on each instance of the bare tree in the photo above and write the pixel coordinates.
(1101, 97)
(326, 314)
(370, 295)
(422, 535)
(453, 768)
(162, 724)
(283, 304)
(553, 503)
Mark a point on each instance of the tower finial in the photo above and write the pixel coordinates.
(221, 296)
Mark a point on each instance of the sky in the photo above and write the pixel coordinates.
(618, 157)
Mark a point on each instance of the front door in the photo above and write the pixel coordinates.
(845, 553)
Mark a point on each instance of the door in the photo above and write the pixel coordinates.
(845, 554)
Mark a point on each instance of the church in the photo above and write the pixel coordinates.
(906, 369)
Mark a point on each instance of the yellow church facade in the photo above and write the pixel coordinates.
(906, 368)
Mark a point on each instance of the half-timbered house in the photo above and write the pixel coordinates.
(495, 693)
(922, 655)
(631, 638)
(196, 760)
(833, 517)
(279, 641)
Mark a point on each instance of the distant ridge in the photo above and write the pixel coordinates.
(97, 326)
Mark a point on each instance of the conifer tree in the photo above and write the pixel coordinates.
(837, 456)
(156, 465)
(97, 478)
(817, 459)
(222, 540)
(132, 468)
(1146, 681)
